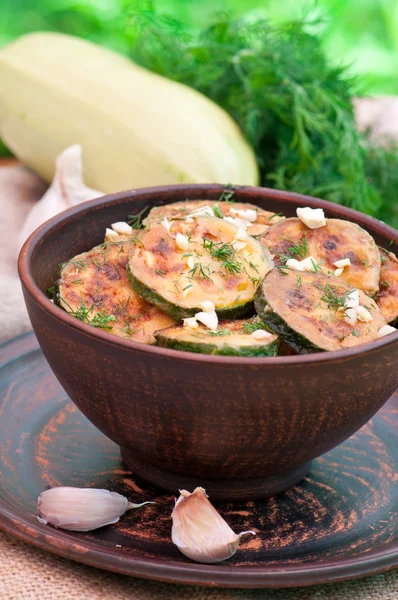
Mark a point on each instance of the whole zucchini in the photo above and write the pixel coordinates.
(136, 128)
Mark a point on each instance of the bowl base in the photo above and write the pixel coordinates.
(218, 489)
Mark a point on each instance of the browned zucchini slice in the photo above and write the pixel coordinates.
(179, 210)
(337, 240)
(232, 338)
(387, 298)
(208, 268)
(302, 308)
(94, 288)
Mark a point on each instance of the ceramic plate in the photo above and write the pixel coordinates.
(339, 523)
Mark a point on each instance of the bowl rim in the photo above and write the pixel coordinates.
(249, 192)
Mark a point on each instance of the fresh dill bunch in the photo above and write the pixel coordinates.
(293, 107)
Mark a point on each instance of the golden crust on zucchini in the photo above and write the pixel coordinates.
(179, 266)
(387, 298)
(179, 210)
(94, 287)
(337, 240)
(304, 310)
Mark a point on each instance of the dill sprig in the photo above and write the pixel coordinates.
(252, 325)
(224, 253)
(135, 221)
(299, 249)
(294, 108)
(100, 320)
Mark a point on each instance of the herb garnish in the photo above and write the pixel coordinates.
(100, 320)
(253, 325)
(135, 221)
(217, 211)
(223, 252)
(354, 332)
(228, 193)
(298, 249)
(299, 281)
(218, 333)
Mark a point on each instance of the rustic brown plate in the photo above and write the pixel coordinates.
(339, 523)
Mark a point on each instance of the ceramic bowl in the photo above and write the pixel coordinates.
(240, 427)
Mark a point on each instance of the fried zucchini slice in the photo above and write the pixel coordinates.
(233, 338)
(94, 288)
(387, 298)
(337, 240)
(179, 210)
(177, 279)
(302, 308)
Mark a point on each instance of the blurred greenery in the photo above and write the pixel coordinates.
(363, 33)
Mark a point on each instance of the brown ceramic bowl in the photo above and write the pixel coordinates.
(240, 427)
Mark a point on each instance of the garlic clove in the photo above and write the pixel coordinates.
(82, 509)
(167, 224)
(209, 319)
(294, 264)
(122, 228)
(363, 314)
(261, 334)
(199, 531)
(208, 306)
(344, 262)
(190, 323)
(350, 316)
(351, 299)
(386, 330)
(339, 271)
(182, 241)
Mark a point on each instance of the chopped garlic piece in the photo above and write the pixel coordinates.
(122, 228)
(241, 235)
(190, 323)
(344, 262)
(249, 215)
(351, 299)
(189, 220)
(309, 264)
(240, 223)
(238, 246)
(338, 272)
(204, 210)
(167, 224)
(182, 241)
(209, 319)
(386, 330)
(363, 314)
(294, 264)
(261, 334)
(110, 234)
(312, 217)
(208, 306)
(187, 291)
(350, 316)
(191, 262)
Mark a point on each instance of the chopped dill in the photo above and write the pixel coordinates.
(100, 320)
(224, 253)
(160, 272)
(354, 332)
(228, 193)
(135, 221)
(218, 333)
(51, 291)
(317, 269)
(298, 249)
(253, 325)
(217, 211)
(78, 281)
(385, 284)
(299, 281)
(274, 216)
(383, 258)
(283, 269)
(79, 264)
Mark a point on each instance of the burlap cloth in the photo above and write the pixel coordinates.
(27, 573)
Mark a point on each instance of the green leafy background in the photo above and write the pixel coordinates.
(289, 85)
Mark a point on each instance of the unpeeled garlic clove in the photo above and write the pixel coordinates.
(199, 531)
(82, 509)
